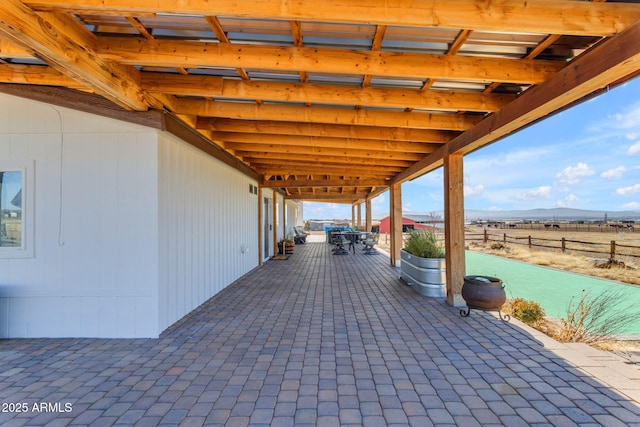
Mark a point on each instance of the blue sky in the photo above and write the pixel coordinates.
(11, 184)
(587, 157)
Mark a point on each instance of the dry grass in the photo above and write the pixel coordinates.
(569, 261)
(575, 263)
(618, 346)
(554, 329)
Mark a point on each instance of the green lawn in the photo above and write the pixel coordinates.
(552, 289)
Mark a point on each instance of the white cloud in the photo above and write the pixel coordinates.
(627, 191)
(572, 174)
(568, 201)
(474, 190)
(631, 118)
(626, 121)
(615, 173)
(632, 205)
(634, 149)
(542, 192)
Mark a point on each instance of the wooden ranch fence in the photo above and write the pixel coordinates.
(612, 249)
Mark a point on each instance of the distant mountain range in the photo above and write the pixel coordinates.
(553, 214)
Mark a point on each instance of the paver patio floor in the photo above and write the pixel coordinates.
(318, 339)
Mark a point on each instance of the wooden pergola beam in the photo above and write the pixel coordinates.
(212, 86)
(263, 142)
(302, 167)
(336, 198)
(313, 114)
(188, 54)
(310, 183)
(334, 155)
(325, 130)
(35, 75)
(328, 160)
(306, 169)
(10, 50)
(64, 44)
(557, 17)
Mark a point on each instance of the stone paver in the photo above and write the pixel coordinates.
(315, 340)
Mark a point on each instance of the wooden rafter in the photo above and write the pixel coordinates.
(35, 75)
(10, 50)
(556, 17)
(365, 122)
(321, 142)
(210, 86)
(296, 33)
(376, 45)
(292, 150)
(455, 47)
(135, 22)
(167, 53)
(344, 161)
(326, 130)
(237, 110)
(217, 29)
(313, 183)
(66, 46)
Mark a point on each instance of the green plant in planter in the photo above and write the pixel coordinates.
(424, 243)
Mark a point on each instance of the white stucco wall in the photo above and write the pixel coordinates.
(94, 270)
(208, 227)
(294, 216)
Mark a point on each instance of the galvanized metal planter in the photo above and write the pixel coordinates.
(426, 275)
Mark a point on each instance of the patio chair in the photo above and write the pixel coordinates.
(339, 240)
(369, 244)
(300, 230)
(299, 237)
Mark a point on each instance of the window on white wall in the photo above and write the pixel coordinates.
(16, 226)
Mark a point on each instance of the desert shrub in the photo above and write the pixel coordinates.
(530, 312)
(596, 318)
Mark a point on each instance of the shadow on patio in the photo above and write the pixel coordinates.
(317, 340)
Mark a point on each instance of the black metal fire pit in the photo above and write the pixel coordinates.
(484, 293)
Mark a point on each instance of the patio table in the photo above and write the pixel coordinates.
(354, 237)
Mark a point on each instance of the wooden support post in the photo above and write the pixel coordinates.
(359, 216)
(367, 206)
(454, 227)
(395, 208)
